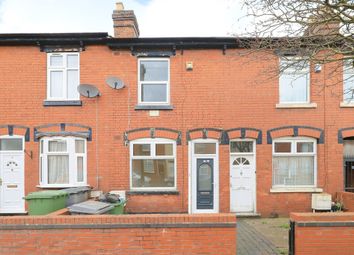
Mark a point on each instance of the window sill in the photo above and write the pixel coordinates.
(61, 186)
(296, 190)
(62, 103)
(296, 106)
(346, 104)
(153, 107)
(141, 192)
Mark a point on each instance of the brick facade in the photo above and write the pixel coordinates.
(222, 91)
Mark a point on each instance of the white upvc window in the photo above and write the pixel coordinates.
(294, 81)
(154, 81)
(63, 162)
(294, 162)
(63, 76)
(348, 81)
(153, 164)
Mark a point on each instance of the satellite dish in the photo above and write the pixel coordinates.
(115, 83)
(88, 90)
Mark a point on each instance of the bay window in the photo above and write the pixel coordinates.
(62, 161)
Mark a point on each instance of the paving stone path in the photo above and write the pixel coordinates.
(251, 242)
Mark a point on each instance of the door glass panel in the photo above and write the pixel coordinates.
(11, 144)
(205, 148)
(141, 149)
(205, 178)
(282, 147)
(164, 149)
(241, 146)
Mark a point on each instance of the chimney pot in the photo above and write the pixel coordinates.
(119, 6)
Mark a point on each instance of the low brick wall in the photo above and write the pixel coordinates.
(324, 233)
(118, 234)
(347, 198)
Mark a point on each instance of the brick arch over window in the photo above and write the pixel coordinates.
(63, 129)
(155, 132)
(244, 132)
(345, 133)
(15, 130)
(296, 131)
(207, 133)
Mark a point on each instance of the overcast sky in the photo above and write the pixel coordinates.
(156, 18)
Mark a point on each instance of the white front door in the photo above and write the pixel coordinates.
(242, 177)
(12, 175)
(204, 176)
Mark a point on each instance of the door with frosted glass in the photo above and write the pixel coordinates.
(205, 184)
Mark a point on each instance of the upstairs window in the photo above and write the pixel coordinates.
(348, 81)
(62, 162)
(154, 81)
(294, 162)
(63, 76)
(294, 81)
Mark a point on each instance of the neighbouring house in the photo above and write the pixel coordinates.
(201, 125)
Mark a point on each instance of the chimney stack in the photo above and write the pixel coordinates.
(124, 22)
(324, 23)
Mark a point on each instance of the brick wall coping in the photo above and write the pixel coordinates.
(323, 219)
(118, 221)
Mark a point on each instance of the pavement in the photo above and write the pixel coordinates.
(262, 236)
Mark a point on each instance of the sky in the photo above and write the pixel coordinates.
(156, 18)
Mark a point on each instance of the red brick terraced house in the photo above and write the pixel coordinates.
(199, 127)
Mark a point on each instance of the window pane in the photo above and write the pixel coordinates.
(41, 146)
(73, 82)
(56, 61)
(80, 169)
(348, 87)
(292, 171)
(154, 70)
(79, 146)
(304, 147)
(205, 148)
(282, 147)
(241, 146)
(153, 92)
(348, 150)
(164, 149)
(293, 88)
(55, 146)
(58, 169)
(11, 144)
(141, 149)
(56, 83)
(73, 61)
(153, 173)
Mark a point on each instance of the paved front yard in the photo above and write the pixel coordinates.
(262, 236)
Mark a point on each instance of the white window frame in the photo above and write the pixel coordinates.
(153, 142)
(293, 153)
(167, 102)
(43, 161)
(291, 71)
(348, 69)
(65, 70)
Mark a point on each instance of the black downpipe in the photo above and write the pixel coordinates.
(292, 238)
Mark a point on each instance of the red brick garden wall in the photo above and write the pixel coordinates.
(125, 234)
(324, 233)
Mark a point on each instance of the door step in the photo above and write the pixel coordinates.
(248, 215)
